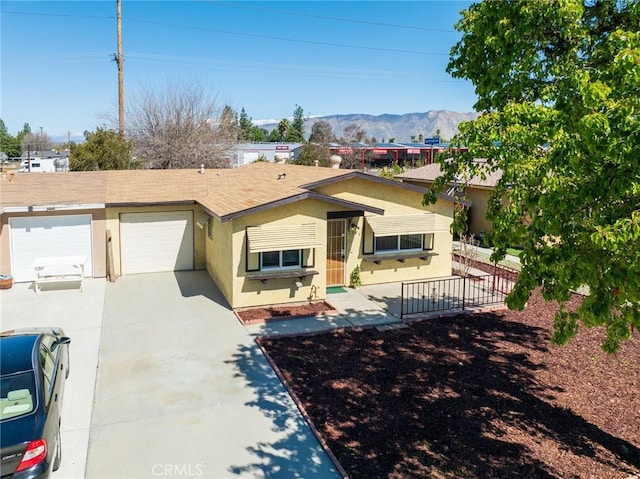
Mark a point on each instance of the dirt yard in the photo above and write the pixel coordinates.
(472, 396)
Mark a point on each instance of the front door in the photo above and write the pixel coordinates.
(335, 252)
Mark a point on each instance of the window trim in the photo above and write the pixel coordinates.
(280, 266)
(423, 242)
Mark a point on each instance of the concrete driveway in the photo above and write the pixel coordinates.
(80, 315)
(183, 391)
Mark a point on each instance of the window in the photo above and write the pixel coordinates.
(285, 259)
(48, 366)
(413, 242)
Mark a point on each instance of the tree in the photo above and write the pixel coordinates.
(274, 136)
(295, 133)
(322, 133)
(246, 126)
(180, 126)
(283, 128)
(9, 144)
(355, 154)
(309, 153)
(353, 133)
(102, 150)
(258, 134)
(38, 141)
(557, 85)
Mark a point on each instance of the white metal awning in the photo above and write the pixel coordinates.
(408, 224)
(277, 238)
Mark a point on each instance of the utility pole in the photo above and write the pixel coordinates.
(119, 59)
(41, 144)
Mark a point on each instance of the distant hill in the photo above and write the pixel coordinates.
(400, 127)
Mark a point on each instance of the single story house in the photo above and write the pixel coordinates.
(266, 233)
(477, 191)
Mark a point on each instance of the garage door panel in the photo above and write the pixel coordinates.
(155, 242)
(48, 236)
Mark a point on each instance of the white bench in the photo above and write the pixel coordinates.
(59, 269)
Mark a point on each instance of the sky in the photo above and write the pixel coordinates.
(372, 57)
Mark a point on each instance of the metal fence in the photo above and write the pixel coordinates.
(444, 294)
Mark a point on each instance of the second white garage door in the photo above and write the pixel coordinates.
(155, 242)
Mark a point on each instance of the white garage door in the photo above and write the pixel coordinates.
(154, 242)
(48, 236)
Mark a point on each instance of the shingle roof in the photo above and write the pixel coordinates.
(260, 184)
(429, 173)
(39, 189)
(225, 193)
(221, 191)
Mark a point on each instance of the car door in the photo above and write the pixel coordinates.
(52, 386)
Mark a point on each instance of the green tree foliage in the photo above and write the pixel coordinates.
(9, 144)
(322, 133)
(103, 150)
(310, 152)
(258, 134)
(390, 172)
(281, 132)
(557, 84)
(295, 133)
(274, 136)
(246, 126)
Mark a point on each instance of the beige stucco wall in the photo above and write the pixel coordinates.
(249, 292)
(113, 226)
(394, 201)
(98, 226)
(479, 197)
(219, 256)
(478, 221)
(242, 292)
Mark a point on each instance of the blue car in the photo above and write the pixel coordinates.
(34, 364)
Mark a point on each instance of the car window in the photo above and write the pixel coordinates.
(48, 366)
(47, 341)
(17, 395)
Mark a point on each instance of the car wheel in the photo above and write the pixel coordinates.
(57, 459)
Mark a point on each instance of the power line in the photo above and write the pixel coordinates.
(68, 15)
(229, 32)
(340, 19)
(294, 40)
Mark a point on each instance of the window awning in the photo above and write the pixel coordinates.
(408, 224)
(277, 238)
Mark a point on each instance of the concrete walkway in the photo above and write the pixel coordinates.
(183, 390)
(367, 306)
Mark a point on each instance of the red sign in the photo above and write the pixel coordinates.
(282, 147)
(413, 151)
(379, 151)
(345, 151)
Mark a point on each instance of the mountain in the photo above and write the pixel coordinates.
(399, 127)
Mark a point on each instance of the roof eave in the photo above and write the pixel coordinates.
(364, 176)
(122, 204)
(292, 199)
(51, 207)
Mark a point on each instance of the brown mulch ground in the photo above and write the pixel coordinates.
(471, 396)
(257, 315)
